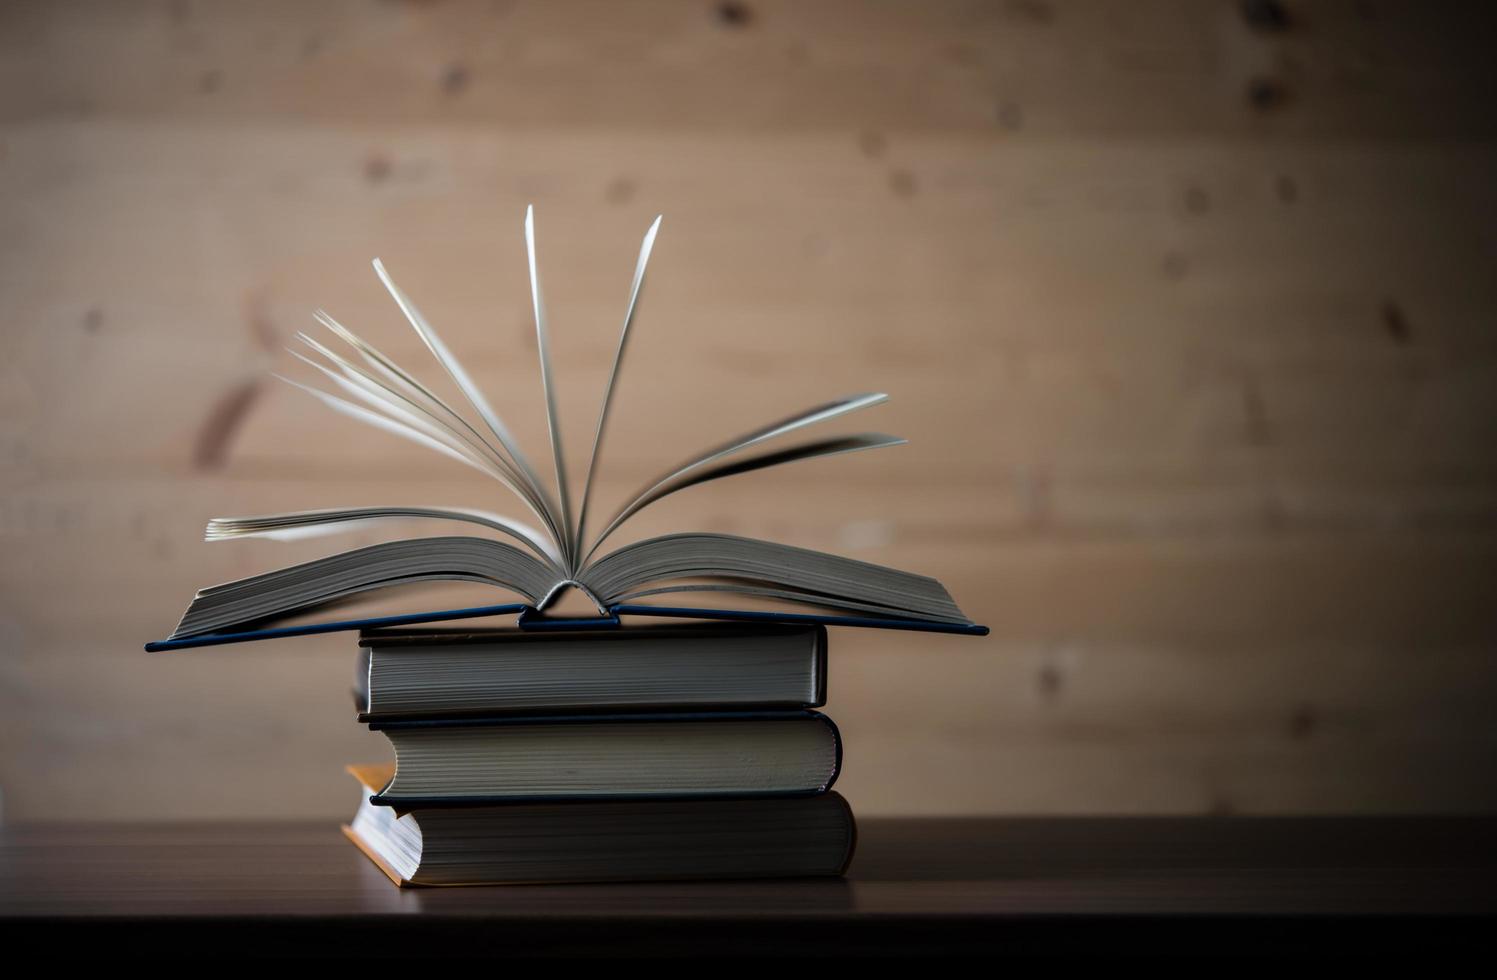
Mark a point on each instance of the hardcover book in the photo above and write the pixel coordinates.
(644, 840)
(559, 547)
(451, 762)
(447, 672)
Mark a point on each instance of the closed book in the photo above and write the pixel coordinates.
(642, 840)
(451, 673)
(445, 762)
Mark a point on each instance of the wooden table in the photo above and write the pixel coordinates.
(1144, 885)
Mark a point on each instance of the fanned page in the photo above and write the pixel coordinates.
(301, 524)
(558, 552)
(686, 474)
(728, 564)
(613, 373)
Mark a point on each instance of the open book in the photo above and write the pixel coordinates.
(559, 549)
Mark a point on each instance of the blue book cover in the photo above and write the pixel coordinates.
(527, 617)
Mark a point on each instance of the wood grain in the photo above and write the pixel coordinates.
(929, 886)
(1189, 324)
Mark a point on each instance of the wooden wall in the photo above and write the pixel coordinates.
(1187, 309)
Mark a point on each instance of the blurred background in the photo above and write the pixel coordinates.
(1186, 307)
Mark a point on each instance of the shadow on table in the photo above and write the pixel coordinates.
(1010, 848)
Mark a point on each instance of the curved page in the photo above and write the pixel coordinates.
(820, 577)
(378, 566)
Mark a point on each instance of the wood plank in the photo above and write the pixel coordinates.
(1006, 70)
(1200, 394)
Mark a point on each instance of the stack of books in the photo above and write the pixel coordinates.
(653, 753)
(564, 750)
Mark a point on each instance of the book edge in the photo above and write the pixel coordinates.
(368, 852)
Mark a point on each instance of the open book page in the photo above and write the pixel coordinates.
(765, 568)
(301, 524)
(392, 563)
(553, 421)
(471, 391)
(728, 564)
(557, 554)
(676, 477)
(403, 405)
(387, 396)
(618, 359)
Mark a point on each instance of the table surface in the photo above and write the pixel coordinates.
(915, 885)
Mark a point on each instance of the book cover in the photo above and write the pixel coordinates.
(667, 840)
(681, 755)
(415, 673)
